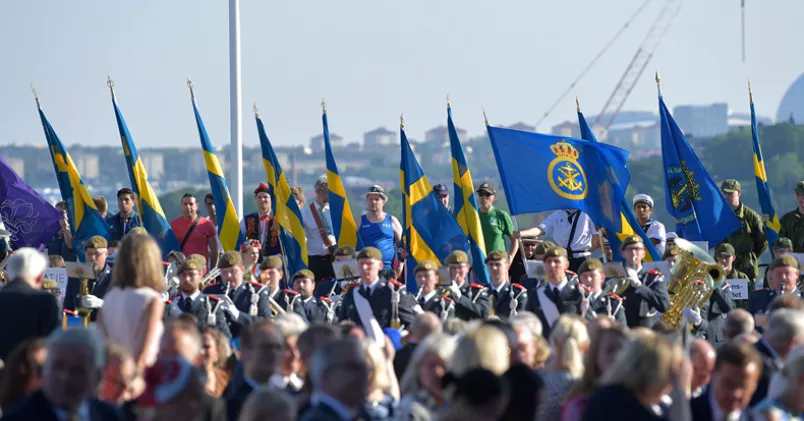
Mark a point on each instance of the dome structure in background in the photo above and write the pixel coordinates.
(792, 103)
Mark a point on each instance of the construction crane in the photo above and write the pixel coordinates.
(638, 64)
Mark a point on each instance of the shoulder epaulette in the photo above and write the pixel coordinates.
(70, 312)
(212, 284)
(447, 298)
(213, 298)
(395, 283)
(476, 285)
(615, 296)
(291, 292)
(256, 284)
(654, 272)
(571, 273)
(325, 299)
(519, 286)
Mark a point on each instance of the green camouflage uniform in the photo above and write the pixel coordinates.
(749, 242)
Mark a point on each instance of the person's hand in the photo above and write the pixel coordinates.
(635, 282)
(390, 351)
(455, 290)
(584, 304)
(230, 307)
(682, 376)
(693, 315)
(517, 235)
(91, 302)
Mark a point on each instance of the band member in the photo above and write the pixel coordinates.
(260, 225)
(558, 295)
(709, 321)
(328, 287)
(471, 299)
(207, 309)
(429, 297)
(317, 310)
(506, 298)
(245, 302)
(647, 293)
(281, 300)
(595, 301)
(784, 273)
(374, 298)
(96, 252)
(671, 255)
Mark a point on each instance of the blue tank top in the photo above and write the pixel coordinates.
(381, 236)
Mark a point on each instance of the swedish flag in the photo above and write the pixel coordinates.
(286, 210)
(85, 219)
(151, 213)
(630, 224)
(431, 232)
(343, 221)
(466, 204)
(228, 224)
(772, 225)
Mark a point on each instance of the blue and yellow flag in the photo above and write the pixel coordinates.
(772, 225)
(700, 210)
(85, 219)
(343, 221)
(630, 224)
(466, 204)
(431, 232)
(286, 210)
(151, 213)
(228, 224)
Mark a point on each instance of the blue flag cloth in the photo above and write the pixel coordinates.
(630, 224)
(27, 216)
(343, 222)
(569, 174)
(772, 225)
(700, 210)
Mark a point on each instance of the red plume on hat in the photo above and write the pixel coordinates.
(262, 188)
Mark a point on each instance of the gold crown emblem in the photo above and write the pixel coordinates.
(565, 150)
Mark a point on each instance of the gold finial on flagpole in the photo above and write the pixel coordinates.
(402, 121)
(36, 96)
(448, 102)
(750, 93)
(323, 106)
(110, 84)
(659, 83)
(577, 104)
(485, 117)
(190, 85)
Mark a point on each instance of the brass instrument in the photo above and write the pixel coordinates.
(492, 307)
(82, 311)
(396, 323)
(692, 281)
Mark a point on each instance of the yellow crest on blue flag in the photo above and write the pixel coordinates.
(565, 174)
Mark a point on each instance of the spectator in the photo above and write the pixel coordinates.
(785, 330)
(262, 349)
(421, 384)
(495, 223)
(542, 352)
(57, 262)
(423, 326)
(290, 326)
(196, 234)
(738, 322)
(383, 392)
(482, 348)
(27, 311)
(702, 357)
(526, 393)
(380, 229)
(569, 341)
(526, 344)
(61, 244)
(268, 405)
(307, 343)
(216, 357)
(101, 204)
(340, 377)
(126, 219)
(212, 213)
(22, 373)
(175, 391)
(480, 395)
(119, 380)
(737, 369)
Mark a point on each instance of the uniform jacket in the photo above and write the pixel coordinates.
(201, 308)
(568, 302)
(380, 302)
(605, 303)
(759, 300)
(652, 292)
(793, 228)
(440, 305)
(474, 302)
(242, 298)
(317, 310)
(713, 314)
(749, 241)
(503, 299)
(97, 287)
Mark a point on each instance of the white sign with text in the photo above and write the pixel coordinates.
(59, 276)
(739, 288)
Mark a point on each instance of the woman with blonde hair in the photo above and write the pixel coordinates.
(569, 341)
(383, 395)
(132, 310)
(216, 357)
(421, 384)
(484, 347)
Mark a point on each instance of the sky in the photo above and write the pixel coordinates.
(372, 60)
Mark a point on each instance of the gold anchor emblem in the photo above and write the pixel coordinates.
(565, 174)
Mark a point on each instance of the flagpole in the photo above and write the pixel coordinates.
(235, 107)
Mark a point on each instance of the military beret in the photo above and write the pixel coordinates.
(194, 261)
(671, 251)
(782, 243)
(543, 247)
(369, 253)
(457, 257)
(555, 251)
(304, 273)
(800, 187)
(345, 251)
(724, 249)
(49, 284)
(496, 255)
(590, 265)
(137, 231)
(96, 242)
(271, 262)
(786, 260)
(229, 259)
(425, 265)
(634, 239)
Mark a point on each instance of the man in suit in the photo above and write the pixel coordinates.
(206, 308)
(280, 300)
(70, 378)
(506, 298)
(471, 299)
(557, 296)
(243, 301)
(647, 293)
(784, 332)
(96, 253)
(28, 311)
(596, 302)
(784, 271)
(316, 310)
(429, 298)
(734, 379)
(339, 374)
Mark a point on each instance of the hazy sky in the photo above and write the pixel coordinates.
(371, 60)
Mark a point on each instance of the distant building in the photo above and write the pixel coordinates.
(792, 105)
(566, 129)
(522, 127)
(317, 142)
(154, 163)
(379, 139)
(440, 135)
(18, 165)
(642, 136)
(88, 165)
(703, 120)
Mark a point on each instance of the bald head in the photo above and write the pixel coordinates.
(738, 322)
(425, 325)
(702, 357)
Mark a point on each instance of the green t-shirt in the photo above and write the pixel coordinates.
(496, 224)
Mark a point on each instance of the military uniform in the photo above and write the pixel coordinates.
(714, 313)
(567, 300)
(440, 305)
(749, 240)
(318, 310)
(508, 300)
(793, 224)
(97, 287)
(472, 302)
(207, 309)
(602, 303)
(646, 295)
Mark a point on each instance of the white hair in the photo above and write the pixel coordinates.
(527, 320)
(27, 264)
(290, 324)
(80, 337)
(784, 326)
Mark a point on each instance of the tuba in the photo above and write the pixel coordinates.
(692, 281)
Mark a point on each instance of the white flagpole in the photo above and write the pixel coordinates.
(235, 107)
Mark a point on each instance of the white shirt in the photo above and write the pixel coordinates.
(559, 286)
(717, 413)
(429, 296)
(371, 286)
(559, 226)
(499, 288)
(656, 231)
(192, 297)
(315, 244)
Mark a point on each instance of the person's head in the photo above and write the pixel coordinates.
(556, 264)
(702, 357)
(312, 338)
(262, 347)
(231, 266)
(591, 274)
(182, 339)
(62, 208)
(603, 348)
(118, 375)
(290, 326)
(528, 319)
(792, 376)
(570, 341)
(633, 250)
(543, 352)
(268, 405)
(791, 301)
(339, 368)
(484, 347)
(424, 325)
(344, 253)
(369, 264)
(191, 273)
(138, 264)
(497, 262)
(529, 245)
(458, 263)
(262, 195)
(375, 199)
(541, 249)
(784, 273)
(189, 206)
(126, 200)
(426, 274)
(101, 204)
(378, 366)
(724, 253)
(304, 283)
(321, 187)
(442, 191)
(22, 372)
(27, 264)
(72, 370)
(95, 252)
(525, 387)
(250, 253)
(56, 261)
(737, 322)
(732, 190)
(216, 347)
(735, 375)
(782, 246)
(671, 255)
(428, 365)
(479, 394)
(525, 352)
(486, 193)
(272, 271)
(298, 195)
(800, 195)
(785, 330)
(209, 204)
(643, 207)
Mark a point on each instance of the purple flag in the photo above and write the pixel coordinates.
(27, 216)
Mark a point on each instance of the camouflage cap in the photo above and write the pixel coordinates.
(724, 249)
(271, 262)
(799, 187)
(496, 255)
(229, 259)
(590, 265)
(555, 251)
(543, 247)
(633, 239)
(425, 265)
(369, 253)
(345, 251)
(96, 242)
(731, 185)
(193, 262)
(304, 273)
(782, 243)
(786, 260)
(457, 257)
